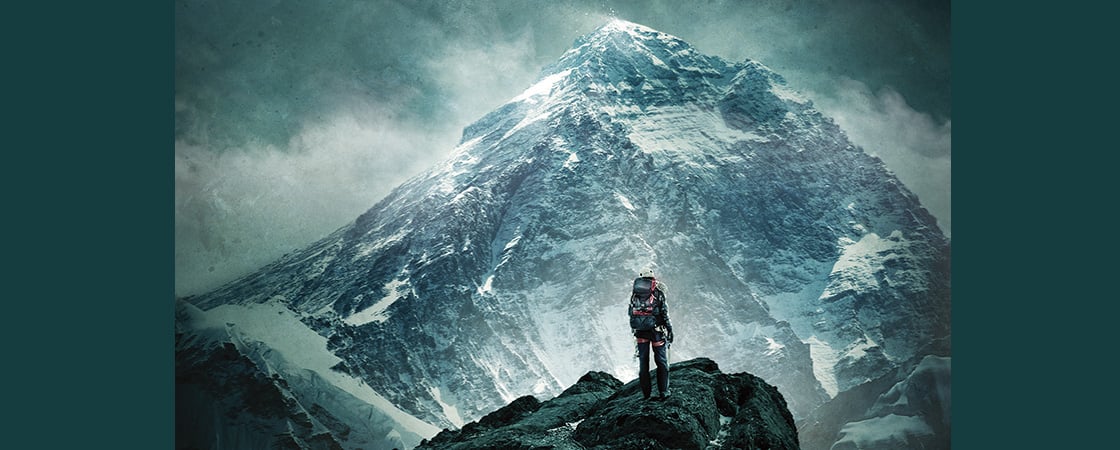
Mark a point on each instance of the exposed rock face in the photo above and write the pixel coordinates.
(788, 251)
(708, 410)
(234, 392)
(272, 417)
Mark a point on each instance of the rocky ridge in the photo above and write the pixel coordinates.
(789, 252)
(707, 410)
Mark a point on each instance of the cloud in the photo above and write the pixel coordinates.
(478, 79)
(294, 118)
(292, 122)
(241, 208)
(915, 146)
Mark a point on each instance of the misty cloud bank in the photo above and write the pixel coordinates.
(239, 209)
(914, 145)
(292, 118)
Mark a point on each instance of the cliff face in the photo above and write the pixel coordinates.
(789, 253)
(708, 410)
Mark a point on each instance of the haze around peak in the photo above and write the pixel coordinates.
(293, 119)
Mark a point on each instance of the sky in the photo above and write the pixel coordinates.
(293, 118)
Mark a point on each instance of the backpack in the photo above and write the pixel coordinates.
(644, 305)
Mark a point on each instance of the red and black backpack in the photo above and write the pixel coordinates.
(644, 305)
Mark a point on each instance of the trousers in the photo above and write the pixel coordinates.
(660, 358)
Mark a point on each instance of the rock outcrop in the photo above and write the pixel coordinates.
(708, 409)
(790, 253)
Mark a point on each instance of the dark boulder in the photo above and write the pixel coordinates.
(708, 410)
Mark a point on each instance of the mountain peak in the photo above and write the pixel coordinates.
(634, 48)
(623, 67)
(780, 238)
(636, 31)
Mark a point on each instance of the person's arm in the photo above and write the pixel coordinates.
(665, 318)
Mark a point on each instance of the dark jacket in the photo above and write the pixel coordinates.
(664, 328)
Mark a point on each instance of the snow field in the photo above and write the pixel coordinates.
(274, 325)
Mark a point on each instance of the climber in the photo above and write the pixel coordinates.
(649, 321)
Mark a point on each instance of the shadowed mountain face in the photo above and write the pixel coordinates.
(786, 251)
(708, 409)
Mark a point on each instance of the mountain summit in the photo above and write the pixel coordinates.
(787, 251)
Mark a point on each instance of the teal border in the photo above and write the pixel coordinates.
(89, 326)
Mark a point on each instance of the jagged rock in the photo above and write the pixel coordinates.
(233, 392)
(790, 253)
(708, 410)
(271, 418)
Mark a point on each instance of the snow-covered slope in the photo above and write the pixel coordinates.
(787, 251)
(914, 413)
(239, 357)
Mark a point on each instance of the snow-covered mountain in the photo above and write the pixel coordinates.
(788, 252)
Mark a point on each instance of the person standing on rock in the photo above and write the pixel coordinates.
(649, 321)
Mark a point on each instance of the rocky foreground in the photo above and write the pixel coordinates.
(708, 409)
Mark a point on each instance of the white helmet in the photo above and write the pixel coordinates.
(646, 273)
